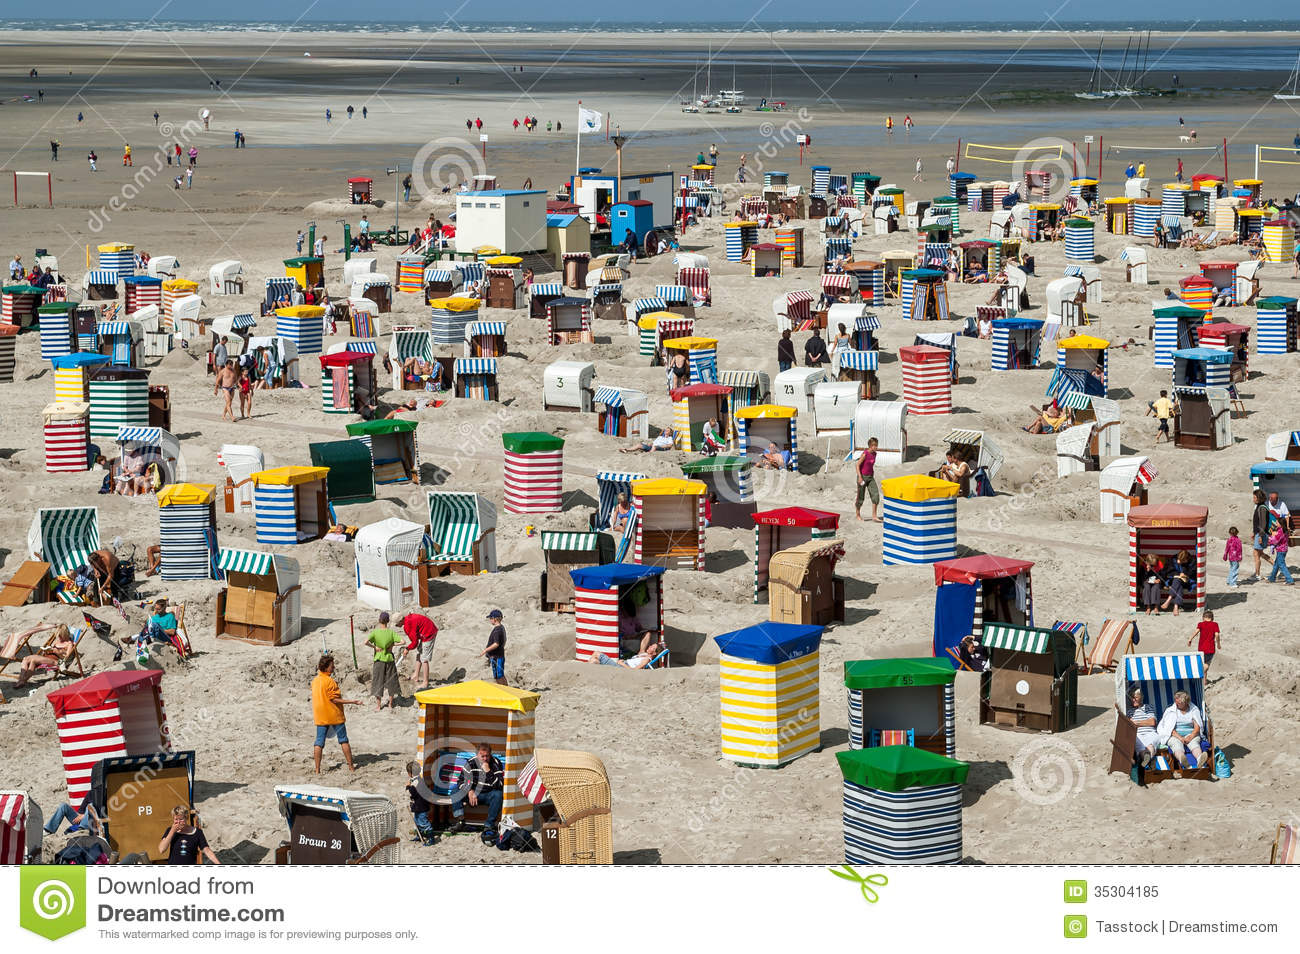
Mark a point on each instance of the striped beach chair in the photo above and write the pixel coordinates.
(64, 537)
(697, 280)
(1116, 638)
(462, 530)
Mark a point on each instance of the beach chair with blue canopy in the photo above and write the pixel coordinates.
(1160, 676)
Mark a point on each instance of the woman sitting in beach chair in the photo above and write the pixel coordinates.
(429, 373)
(1182, 729)
(58, 650)
(1050, 420)
(647, 655)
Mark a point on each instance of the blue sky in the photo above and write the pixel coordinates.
(1210, 12)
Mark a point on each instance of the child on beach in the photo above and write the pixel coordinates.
(1280, 544)
(495, 651)
(1232, 555)
(1207, 637)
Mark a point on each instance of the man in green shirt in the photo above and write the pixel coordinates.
(383, 672)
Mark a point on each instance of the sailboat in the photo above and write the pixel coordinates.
(691, 107)
(1295, 78)
(733, 99)
(1094, 81)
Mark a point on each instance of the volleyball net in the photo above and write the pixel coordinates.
(1136, 152)
(1015, 155)
(1277, 155)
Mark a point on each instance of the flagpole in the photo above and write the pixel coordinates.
(577, 153)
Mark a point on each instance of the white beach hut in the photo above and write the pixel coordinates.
(1123, 485)
(795, 387)
(387, 556)
(886, 421)
(226, 278)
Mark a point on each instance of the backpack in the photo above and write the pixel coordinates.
(514, 838)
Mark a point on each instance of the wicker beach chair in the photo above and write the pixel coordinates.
(578, 786)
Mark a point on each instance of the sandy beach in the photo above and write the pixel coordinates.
(246, 711)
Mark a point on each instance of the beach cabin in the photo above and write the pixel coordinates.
(336, 826)
(606, 295)
(72, 374)
(119, 397)
(924, 294)
(622, 412)
(187, 531)
(375, 288)
(534, 464)
(886, 421)
(696, 278)
(976, 592)
(239, 462)
(802, 587)
(386, 563)
(1281, 477)
(513, 221)
(1175, 326)
(1032, 683)
(303, 325)
(1201, 367)
(1160, 676)
(1082, 364)
(225, 278)
(574, 266)
(633, 215)
(1203, 419)
(449, 318)
(485, 339)
(441, 281)
(1124, 486)
(729, 484)
(358, 267)
(1076, 450)
(927, 381)
(123, 342)
(790, 240)
(1278, 238)
(676, 300)
(1277, 325)
(185, 320)
(568, 386)
(911, 698)
(505, 282)
(901, 806)
(112, 714)
(563, 551)
(860, 367)
(765, 260)
(1102, 414)
(763, 424)
(118, 258)
(784, 528)
(19, 304)
(14, 816)
(140, 291)
(1015, 343)
(394, 449)
(1118, 214)
(410, 274)
(63, 537)
(351, 477)
(738, 238)
(66, 431)
(769, 693)
(613, 605)
(58, 324)
(920, 519)
(1246, 291)
(1065, 301)
(96, 285)
(568, 321)
(567, 235)
(347, 380)
(173, 291)
(1197, 292)
(1080, 245)
(8, 349)
(359, 190)
(1146, 216)
(747, 387)
(1135, 265)
(834, 403)
(1222, 277)
(795, 387)
(290, 504)
(1282, 445)
(462, 537)
(693, 407)
(1164, 530)
(669, 523)
(978, 261)
(477, 711)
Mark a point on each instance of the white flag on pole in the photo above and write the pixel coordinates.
(588, 120)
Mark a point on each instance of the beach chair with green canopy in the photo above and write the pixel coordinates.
(64, 537)
(891, 696)
(462, 533)
(1032, 682)
(728, 476)
(351, 477)
(902, 806)
(393, 446)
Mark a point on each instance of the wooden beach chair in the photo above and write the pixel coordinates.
(72, 667)
(1285, 846)
(1106, 647)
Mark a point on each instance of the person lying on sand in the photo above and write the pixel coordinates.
(650, 648)
(663, 442)
(411, 406)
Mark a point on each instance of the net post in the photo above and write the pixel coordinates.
(15, 190)
(1256, 160)
(49, 187)
(1225, 160)
(1101, 154)
(957, 158)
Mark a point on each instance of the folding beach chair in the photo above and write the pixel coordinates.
(70, 668)
(1284, 846)
(1114, 634)
(11, 651)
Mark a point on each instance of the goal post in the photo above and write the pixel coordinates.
(49, 185)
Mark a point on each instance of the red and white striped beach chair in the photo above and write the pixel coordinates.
(697, 282)
(1285, 847)
(13, 828)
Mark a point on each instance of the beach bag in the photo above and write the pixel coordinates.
(1222, 767)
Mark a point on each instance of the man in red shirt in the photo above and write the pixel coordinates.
(867, 480)
(421, 634)
(1207, 637)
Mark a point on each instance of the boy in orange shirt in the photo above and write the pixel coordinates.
(327, 711)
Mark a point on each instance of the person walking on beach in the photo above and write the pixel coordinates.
(178, 154)
(318, 248)
(516, 124)
(469, 125)
(245, 393)
(327, 704)
(421, 634)
(406, 188)
(349, 110)
(189, 178)
(917, 176)
(1163, 409)
(126, 155)
(383, 671)
(54, 149)
(1180, 170)
(867, 480)
(328, 115)
(1258, 530)
(713, 154)
(479, 124)
(495, 651)
(301, 238)
(227, 381)
(951, 165)
(155, 117)
(93, 159)
(194, 155)
(364, 112)
(1206, 637)
(889, 126)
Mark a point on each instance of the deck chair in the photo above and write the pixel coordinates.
(1284, 846)
(1201, 243)
(11, 651)
(1237, 403)
(879, 737)
(1114, 634)
(72, 667)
